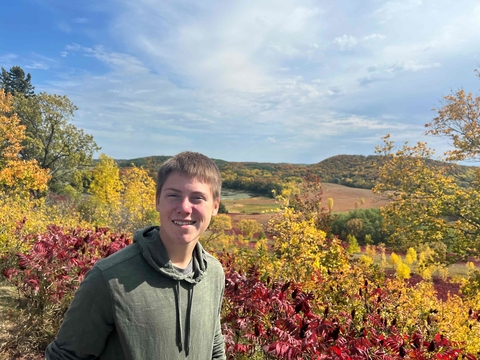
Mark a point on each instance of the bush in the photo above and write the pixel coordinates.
(277, 321)
(222, 209)
(353, 246)
(47, 276)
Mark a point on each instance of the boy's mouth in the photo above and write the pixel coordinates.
(182, 223)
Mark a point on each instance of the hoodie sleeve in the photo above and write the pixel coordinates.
(218, 352)
(88, 322)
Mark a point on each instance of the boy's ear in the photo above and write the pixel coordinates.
(216, 206)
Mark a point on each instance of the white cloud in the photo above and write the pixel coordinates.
(374, 37)
(287, 74)
(37, 65)
(397, 8)
(65, 27)
(233, 47)
(346, 42)
(7, 58)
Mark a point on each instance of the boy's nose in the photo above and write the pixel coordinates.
(185, 206)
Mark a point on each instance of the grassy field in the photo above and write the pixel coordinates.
(344, 199)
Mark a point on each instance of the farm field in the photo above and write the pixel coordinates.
(344, 198)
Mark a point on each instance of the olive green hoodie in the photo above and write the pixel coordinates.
(135, 305)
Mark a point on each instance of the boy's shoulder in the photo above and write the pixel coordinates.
(120, 257)
(213, 262)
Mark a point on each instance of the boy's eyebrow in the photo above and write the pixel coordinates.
(179, 191)
(172, 189)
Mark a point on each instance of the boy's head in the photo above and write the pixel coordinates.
(195, 166)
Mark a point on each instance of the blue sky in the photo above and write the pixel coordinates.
(280, 81)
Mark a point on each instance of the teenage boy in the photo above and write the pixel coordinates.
(160, 297)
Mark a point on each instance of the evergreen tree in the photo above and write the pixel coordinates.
(16, 82)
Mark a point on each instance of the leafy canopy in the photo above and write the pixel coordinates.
(16, 82)
(428, 203)
(51, 138)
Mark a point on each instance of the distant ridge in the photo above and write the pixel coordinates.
(358, 171)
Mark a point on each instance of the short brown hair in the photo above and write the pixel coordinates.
(194, 165)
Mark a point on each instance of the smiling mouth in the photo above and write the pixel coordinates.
(181, 223)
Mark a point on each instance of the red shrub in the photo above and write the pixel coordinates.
(277, 319)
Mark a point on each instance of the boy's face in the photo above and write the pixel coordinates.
(186, 206)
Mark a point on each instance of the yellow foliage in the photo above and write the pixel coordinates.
(138, 199)
(300, 249)
(395, 260)
(124, 202)
(402, 270)
(411, 256)
(383, 262)
(106, 185)
(425, 272)
(16, 175)
(424, 194)
(19, 216)
(216, 238)
(470, 267)
(371, 250)
(330, 204)
(366, 260)
(249, 227)
(443, 272)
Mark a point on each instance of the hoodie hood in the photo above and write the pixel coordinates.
(156, 256)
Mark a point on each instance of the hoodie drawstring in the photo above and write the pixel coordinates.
(187, 320)
(179, 322)
(187, 317)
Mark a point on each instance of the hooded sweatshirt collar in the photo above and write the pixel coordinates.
(156, 256)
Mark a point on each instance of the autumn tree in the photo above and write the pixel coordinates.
(459, 120)
(103, 207)
(51, 138)
(15, 82)
(18, 179)
(16, 174)
(428, 203)
(249, 227)
(138, 198)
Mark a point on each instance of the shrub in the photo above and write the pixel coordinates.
(47, 275)
(276, 320)
(411, 256)
(353, 246)
(472, 286)
(395, 260)
(366, 260)
(402, 271)
(249, 227)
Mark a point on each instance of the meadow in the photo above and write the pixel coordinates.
(261, 208)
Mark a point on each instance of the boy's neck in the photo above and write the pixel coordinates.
(180, 256)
